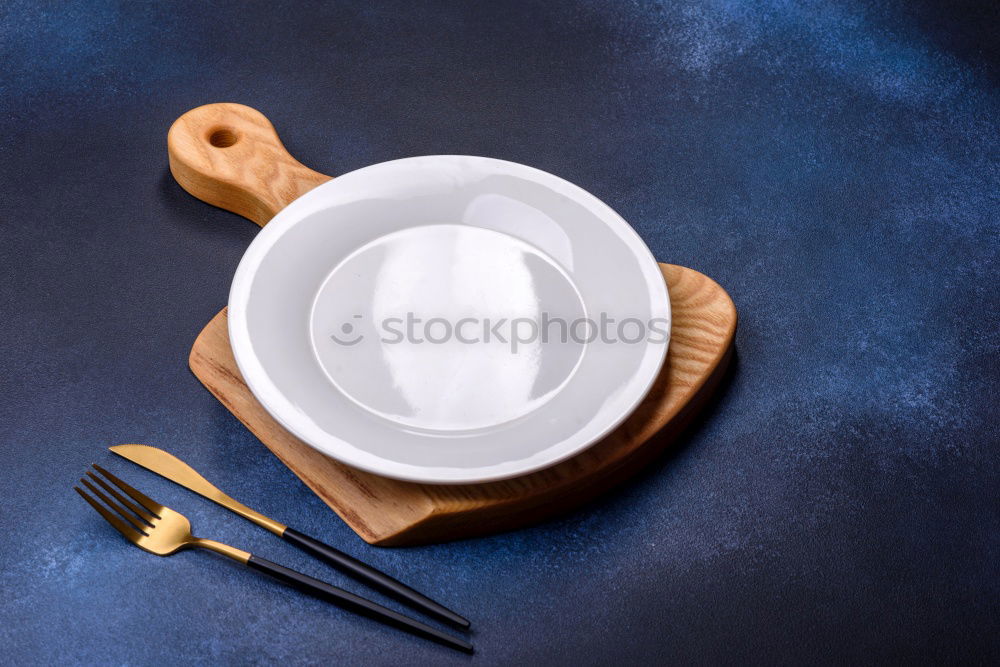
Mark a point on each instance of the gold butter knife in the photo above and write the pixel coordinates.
(169, 466)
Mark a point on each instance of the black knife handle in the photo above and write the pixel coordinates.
(369, 575)
(355, 603)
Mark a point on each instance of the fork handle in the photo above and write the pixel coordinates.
(379, 580)
(355, 603)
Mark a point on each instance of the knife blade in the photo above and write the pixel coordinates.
(169, 466)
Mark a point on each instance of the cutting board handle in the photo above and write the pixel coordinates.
(230, 156)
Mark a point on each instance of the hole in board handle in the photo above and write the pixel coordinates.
(222, 138)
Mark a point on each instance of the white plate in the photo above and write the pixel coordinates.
(384, 318)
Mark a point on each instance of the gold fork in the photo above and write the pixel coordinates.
(163, 531)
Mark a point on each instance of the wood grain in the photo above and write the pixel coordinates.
(260, 178)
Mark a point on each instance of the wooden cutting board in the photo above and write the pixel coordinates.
(229, 155)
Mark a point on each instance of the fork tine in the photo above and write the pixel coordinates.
(154, 507)
(130, 534)
(118, 509)
(138, 511)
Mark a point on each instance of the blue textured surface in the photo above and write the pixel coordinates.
(833, 165)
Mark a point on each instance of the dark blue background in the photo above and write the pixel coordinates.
(833, 165)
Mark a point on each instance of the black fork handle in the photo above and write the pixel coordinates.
(355, 603)
(374, 578)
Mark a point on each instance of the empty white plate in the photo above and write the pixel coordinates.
(449, 319)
